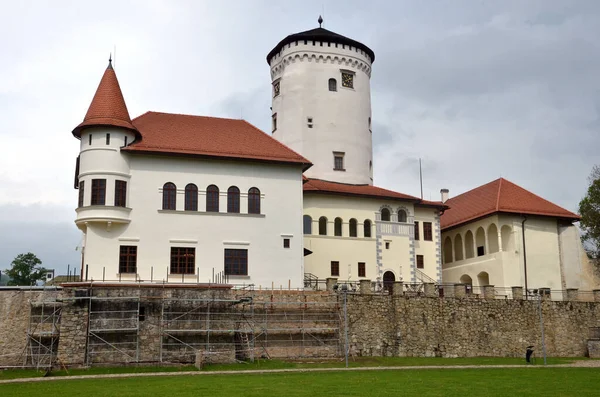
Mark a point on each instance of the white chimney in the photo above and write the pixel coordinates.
(445, 193)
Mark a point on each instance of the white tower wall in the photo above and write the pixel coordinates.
(340, 119)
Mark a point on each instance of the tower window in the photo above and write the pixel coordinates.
(274, 126)
(120, 193)
(370, 130)
(338, 161)
(98, 192)
(108, 139)
(90, 139)
(309, 122)
(125, 141)
(286, 243)
(81, 193)
(348, 79)
(332, 85)
(387, 245)
(276, 88)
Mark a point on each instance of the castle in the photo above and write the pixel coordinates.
(193, 199)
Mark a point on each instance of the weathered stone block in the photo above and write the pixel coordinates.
(365, 286)
(517, 293)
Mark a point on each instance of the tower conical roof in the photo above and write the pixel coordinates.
(108, 107)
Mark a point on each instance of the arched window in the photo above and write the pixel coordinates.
(233, 199)
(169, 196)
(307, 223)
(353, 228)
(367, 227)
(254, 201)
(401, 216)
(337, 227)
(385, 214)
(323, 226)
(191, 197)
(212, 199)
(332, 85)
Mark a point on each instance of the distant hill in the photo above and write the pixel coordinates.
(4, 280)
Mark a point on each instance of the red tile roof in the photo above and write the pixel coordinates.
(108, 105)
(178, 134)
(321, 186)
(499, 196)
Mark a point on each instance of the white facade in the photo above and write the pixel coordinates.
(391, 247)
(143, 223)
(320, 123)
(555, 257)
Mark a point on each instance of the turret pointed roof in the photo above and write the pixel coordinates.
(108, 106)
(497, 196)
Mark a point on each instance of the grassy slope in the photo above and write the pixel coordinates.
(538, 381)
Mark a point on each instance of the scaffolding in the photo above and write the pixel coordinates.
(42, 334)
(179, 326)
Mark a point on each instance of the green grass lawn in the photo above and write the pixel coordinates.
(547, 382)
(280, 364)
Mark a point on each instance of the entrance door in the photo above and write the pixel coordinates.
(388, 281)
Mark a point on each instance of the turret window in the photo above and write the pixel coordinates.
(309, 122)
(120, 193)
(98, 192)
(274, 126)
(108, 139)
(338, 161)
(81, 193)
(125, 141)
(169, 196)
(90, 139)
(332, 85)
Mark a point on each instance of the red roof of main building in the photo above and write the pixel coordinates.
(108, 105)
(321, 186)
(179, 134)
(500, 195)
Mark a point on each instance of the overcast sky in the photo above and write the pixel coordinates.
(477, 89)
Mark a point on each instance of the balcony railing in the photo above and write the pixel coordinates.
(395, 228)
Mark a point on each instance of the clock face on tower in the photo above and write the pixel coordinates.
(347, 80)
(276, 89)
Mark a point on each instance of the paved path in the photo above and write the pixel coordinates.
(580, 364)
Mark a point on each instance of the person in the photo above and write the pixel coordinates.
(528, 354)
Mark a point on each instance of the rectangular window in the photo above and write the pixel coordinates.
(338, 161)
(128, 259)
(98, 192)
(362, 270)
(274, 126)
(90, 139)
(236, 262)
(108, 139)
(417, 237)
(420, 262)
(125, 141)
(183, 260)
(427, 231)
(286, 243)
(387, 245)
(480, 251)
(335, 268)
(120, 193)
(81, 193)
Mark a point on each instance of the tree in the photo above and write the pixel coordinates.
(25, 270)
(589, 209)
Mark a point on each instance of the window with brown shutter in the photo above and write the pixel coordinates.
(335, 268)
(427, 231)
(362, 271)
(420, 262)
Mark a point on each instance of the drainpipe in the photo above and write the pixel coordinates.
(524, 255)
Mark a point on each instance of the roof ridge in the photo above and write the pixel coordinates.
(498, 195)
(191, 115)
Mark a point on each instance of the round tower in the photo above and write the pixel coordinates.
(102, 172)
(322, 103)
